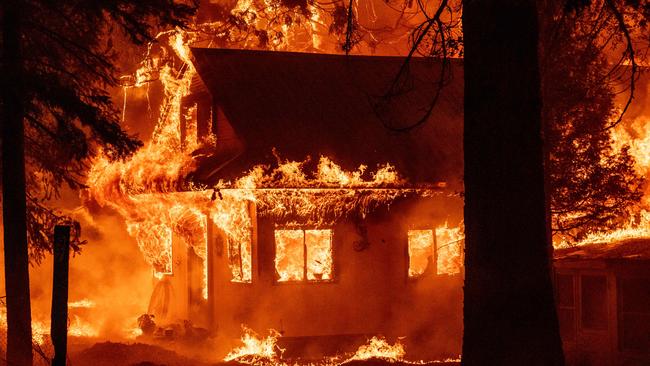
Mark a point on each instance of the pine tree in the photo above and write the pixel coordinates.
(58, 64)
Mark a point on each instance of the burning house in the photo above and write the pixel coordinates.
(353, 234)
(283, 191)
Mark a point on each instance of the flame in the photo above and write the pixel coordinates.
(80, 328)
(378, 347)
(420, 247)
(448, 250)
(289, 255)
(41, 329)
(255, 349)
(636, 135)
(161, 207)
(303, 252)
(83, 303)
(319, 254)
(449, 246)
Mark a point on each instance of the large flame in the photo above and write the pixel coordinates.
(636, 135)
(161, 206)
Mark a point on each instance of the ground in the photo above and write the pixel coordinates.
(140, 354)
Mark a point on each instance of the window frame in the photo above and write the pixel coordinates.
(621, 312)
(589, 328)
(228, 241)
(305, 279)
(428, 272)
(435, 249)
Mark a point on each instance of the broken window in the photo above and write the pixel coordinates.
(420, 245)
(303, 254)
(240, 260)
(447, 244)
(448, 250)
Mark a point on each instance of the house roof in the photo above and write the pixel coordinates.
(317, 104)
(631, 249)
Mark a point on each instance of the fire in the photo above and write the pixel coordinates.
(80, 328)
(446, 246)
(637, 136)
(41, 329)
(83, 303)
(420, 251)
(257, 350)
(378, 347)
(289, 254)
(303, 253)
(162, 207)
(449, 242)
(150, 190)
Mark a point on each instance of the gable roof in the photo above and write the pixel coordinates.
(317, 104)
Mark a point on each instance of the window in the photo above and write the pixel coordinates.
(634, 313)
(447, 244)
(240, 260)
(449, 248)
(565, 298)
(303, 254)
(420, 251)
(594, 302)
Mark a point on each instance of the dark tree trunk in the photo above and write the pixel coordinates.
(509, 312)
(14, 210)
(59, 316)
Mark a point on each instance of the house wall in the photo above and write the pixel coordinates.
(584, 345)
(371, 293)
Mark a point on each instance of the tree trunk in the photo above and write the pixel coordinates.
(59, 316)
(14, 210)
(509, 312)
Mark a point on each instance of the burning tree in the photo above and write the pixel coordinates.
(592, 184)
(59, 61)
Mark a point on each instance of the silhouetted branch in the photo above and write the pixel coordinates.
(397, 86)
(629, 51)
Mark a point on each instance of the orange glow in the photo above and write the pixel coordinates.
(161, 206)
(289, 255)
(240, 259)
(636, 135)
(448, 250)
(41, 329)
(449, 247)
(293, 247)
(255, 349)
(420, 247)
(378, 347)
(319, 254)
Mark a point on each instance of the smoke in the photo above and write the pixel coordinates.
(109, 284)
